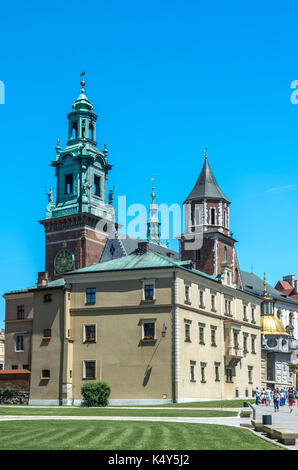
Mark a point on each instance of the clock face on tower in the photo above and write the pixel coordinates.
(64, 261)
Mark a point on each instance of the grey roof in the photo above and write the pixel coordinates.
(130, 244)
(206, 186)
(52, 284)
(254, 284)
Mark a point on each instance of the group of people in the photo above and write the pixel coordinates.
(279, 397)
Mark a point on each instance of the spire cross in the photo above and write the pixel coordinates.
(205, 152)
(83, 83)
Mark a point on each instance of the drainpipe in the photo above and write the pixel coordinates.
(62, 340)
(175, 341)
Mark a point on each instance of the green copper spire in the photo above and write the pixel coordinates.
(153, 226)
(80, 168)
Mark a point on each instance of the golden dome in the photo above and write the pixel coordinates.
(271, 325)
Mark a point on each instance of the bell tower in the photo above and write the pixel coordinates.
(207, 239)
(76, 225)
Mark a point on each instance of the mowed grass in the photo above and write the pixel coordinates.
(119, 435)
(81, 411)
(206, 404)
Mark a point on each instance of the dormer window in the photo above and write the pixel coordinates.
(68, 188)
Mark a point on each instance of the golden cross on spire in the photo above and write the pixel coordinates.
(83, 83)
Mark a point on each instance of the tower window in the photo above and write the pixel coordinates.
(68, 184)
(96, 185)
(91, 132)
(212, 213)
(74, 131)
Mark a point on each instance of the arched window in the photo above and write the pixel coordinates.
(225, 253)
(278, 314)
(91, 132)
(291, 318)
(74, 130)
(212, 216)
(224, 218)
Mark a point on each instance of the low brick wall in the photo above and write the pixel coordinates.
(16, 379)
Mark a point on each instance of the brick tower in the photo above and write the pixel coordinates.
(76, 225)
(207, 239)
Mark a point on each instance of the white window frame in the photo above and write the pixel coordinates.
(16, 342)
(84, 369)
(84, 331)
(187, 285)
(192, 365)
(148, 282)
(148, 320)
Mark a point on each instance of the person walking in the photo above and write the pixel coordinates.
(257, 396)
(268, 396)
(291, 399)
(296, 396)
(282, 398)
(276, 399)
(263, 397)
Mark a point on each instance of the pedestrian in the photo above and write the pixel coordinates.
(257, 396)
(268, 396)
(296, 396)
(291, 399)
(282, 398)
(276, 398)
(263, 397)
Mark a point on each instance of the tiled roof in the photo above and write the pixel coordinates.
(206, 186)
(57, 283)
(253, 283)
(14, 371)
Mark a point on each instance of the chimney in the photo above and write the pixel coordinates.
(43, 279)
(143, 246)
(290, 279)
(296, 287)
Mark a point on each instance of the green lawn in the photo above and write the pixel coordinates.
(206, 404)
(81, 411)
(119, 435)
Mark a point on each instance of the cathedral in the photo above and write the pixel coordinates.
(158, 326)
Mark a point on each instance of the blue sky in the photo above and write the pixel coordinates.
(167, 79)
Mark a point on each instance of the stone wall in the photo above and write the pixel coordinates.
(19, 397)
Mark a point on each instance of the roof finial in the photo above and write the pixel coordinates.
(265, 289)
(153, 194)
(83, 83)
(205, 153)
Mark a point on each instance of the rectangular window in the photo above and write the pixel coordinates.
(253, 320)
(20, 312)
(148, 330)
(245, 313)
(236, 344)
(26, 367)
(201, 335)
(47, 333)
(187, 331)
(253, 344)
(201, 298)
(14, 367)
(192, 371)
(149, 291)
(96, 187)
(19, 343)
(187, 294)
(89, 370)
(68, 188)
(228, 308)
(217, 373)
(203, 376)
(90, 295)
(1, 366)
(45, 374)
(213, 336)
(249, 374)
(47, 298)
(90, 333)
(245, 343)
(213, 302)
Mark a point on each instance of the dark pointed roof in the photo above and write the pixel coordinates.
(206, 186)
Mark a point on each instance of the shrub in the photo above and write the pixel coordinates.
(7, 394)
(95, 394)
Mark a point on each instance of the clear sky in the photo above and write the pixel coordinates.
(167, 79)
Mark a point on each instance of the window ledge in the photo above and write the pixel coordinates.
(47, 337)
(192, 380)
(187, 302)
(202, 306)
(149, 342)
(214, 345)
(71, 340)
(89, 341)
(203, 381)
(148, 301)
(187, 340)
(44, 378)
(89, 378)
(202, 342)
(213, 310)
(217, 380)
(90, 303)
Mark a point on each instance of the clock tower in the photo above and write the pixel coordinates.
(77, 223)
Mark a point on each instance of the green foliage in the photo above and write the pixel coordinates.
(6, 394)
(95, 394)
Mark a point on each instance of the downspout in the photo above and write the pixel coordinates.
(175, 341)
(62, 339)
